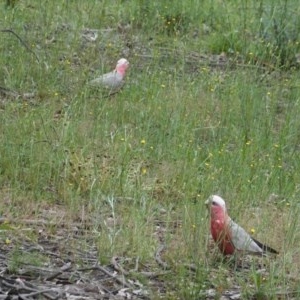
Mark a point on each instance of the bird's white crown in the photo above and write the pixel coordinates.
(122, 61)
(217, 200)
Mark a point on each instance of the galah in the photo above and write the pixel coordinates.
(114, 80)
(228, 235)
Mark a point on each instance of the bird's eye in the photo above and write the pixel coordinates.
(214, 203)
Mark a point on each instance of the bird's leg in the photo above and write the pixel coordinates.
(239, 257)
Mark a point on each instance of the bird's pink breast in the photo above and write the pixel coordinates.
(121, 69)
(220, 231)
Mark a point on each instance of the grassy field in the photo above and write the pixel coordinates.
(211, 105)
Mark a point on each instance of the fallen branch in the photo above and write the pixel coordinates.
(119, 279)
(64, 268)
(21, 41)
(102, 269)
(117, 266)
(41, 292)
(19, 285)
(13, 94)
(191, 267)
(154, 274)
(158, 258)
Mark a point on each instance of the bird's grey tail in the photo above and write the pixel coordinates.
(265, 248)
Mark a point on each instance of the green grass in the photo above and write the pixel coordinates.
(141, 163)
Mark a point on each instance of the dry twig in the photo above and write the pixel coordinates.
(21, 41)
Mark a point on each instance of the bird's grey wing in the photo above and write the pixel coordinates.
(101, 80)
(110, 80)
(242, 241)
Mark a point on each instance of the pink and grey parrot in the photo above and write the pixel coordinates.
(229, 236)
(114, 80)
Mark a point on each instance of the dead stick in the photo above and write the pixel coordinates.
(120, 280)
(158, 257)
(154, 274)
(22, 42)
(102, 269)
(44, 292)
(64, 268)
(117, 266)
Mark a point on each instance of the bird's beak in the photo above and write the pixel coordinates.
(207, 203)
